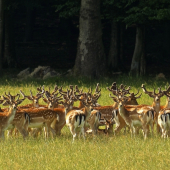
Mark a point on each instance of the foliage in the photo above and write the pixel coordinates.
(67, 8)
(142, 12)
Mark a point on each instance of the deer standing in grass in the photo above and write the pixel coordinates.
(135, 118)
(76, 119)
(7, 116)
(164, 122)
(156, 103)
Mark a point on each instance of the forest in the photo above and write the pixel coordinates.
(92, 38)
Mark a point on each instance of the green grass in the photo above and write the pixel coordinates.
(103, 152)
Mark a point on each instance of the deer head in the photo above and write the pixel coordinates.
(154, 95)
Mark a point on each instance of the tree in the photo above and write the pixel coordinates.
(90, 59)
(140, 14)
(1, 31)
(113, 12)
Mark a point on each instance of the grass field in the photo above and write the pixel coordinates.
(101, 152)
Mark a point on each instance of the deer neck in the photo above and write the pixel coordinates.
(11, 114)
(80, 105)
(156, 106)
(124, 114)
(87, 112)
(115, 105)
(66, 110)
(35, 105)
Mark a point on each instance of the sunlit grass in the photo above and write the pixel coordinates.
(102, 152)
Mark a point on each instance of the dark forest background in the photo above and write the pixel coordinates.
(132, 36)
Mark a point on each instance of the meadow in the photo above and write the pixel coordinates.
(101, 152)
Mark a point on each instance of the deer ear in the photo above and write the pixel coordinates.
(114, 99)
(45, 100)
(29, 97)
(20, 101)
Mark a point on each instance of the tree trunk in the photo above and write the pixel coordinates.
(90, 59)
(142, 60)
(9, 59)
(113, 52)
(138, 54)
(1, 32)
(121, 41)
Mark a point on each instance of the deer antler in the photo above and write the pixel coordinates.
(151, 94)
(97, 89)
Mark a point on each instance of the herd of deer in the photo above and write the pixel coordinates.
(59, 111)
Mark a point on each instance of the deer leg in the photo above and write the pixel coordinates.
(163, 131)
(2, 135)
(47, 127)
(145, 130)
(82, 131)
(118, 128)
(9, 133)
(151, 124)
(73, 132)
(158, 128)
(53, 132)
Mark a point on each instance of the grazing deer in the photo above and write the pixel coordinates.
(40, 117)
(7, 116)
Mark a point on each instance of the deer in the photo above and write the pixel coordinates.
(167, 104)
(107, 110)
(156, 102)
(68, 102)
(164, 121)
(95, 116)
(21, 119)
(7, 117)
(109, 126)
(94, 119)
(77, 118)
(35, 104)
(34, 99)
(134, 117)
(40, 117)
(52, 100)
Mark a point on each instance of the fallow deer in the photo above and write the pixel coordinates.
(109, 126)
(156, 103)
(40, 117)
(7, 116)
(94, 119)
(164, 121)
(77, 118)
(134, 117)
